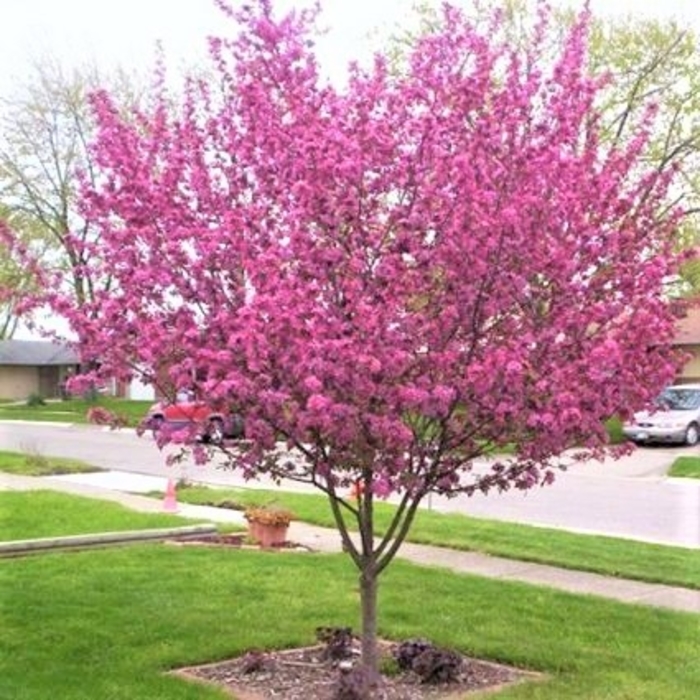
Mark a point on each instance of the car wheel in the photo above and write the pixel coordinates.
(236, 428)
(155, 424)
(215, 431)
(692, 435)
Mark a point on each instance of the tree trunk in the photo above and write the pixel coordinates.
(368, 599)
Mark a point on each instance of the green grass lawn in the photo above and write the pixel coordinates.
(110, 623)
(35, 514)
(37, 464)
(606, 555)
(686, 467)
(75, 410)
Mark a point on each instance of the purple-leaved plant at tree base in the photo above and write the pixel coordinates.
(393, 277)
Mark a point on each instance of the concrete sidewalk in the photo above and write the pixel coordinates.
(125, 488)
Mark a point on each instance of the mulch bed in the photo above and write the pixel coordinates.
(305, 674)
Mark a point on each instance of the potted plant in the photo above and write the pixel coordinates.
(267, 525)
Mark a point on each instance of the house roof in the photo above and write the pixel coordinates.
(36, 353)
(688, 327)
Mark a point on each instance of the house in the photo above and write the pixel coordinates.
(34, 367)
(39, 367)
(688, 340)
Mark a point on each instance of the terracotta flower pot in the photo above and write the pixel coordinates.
(268, 526)
(268, 535)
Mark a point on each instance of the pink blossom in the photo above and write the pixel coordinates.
(382, 487)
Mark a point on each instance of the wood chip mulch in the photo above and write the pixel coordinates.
(305, 674)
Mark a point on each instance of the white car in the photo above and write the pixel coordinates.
(676, 418)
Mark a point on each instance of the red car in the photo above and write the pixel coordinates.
(212, 425)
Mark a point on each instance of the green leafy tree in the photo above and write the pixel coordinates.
(45, 131)
(659, 61)
(16, 278)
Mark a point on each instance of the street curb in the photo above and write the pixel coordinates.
(104, 539)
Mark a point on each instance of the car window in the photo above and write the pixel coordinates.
(680, 399)
(184, 396)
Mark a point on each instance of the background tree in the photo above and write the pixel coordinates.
(46, 127)
(389, 279)
(657, 61)
(10, 281)
(17, 278)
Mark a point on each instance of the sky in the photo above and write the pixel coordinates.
(125, 33)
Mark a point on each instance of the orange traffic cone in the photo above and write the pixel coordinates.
(170, 500)
(356, 490)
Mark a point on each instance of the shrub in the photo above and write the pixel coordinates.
(406, 652)
(437, 665)
(432, 664)
(338, 641)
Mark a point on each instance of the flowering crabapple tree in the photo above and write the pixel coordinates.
(391, 278)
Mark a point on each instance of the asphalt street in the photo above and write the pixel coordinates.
(631, 497)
